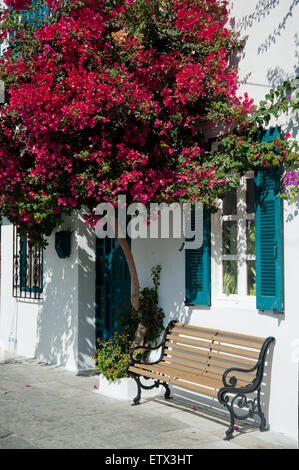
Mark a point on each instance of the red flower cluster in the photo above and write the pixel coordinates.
(99, 106)
(18, 4)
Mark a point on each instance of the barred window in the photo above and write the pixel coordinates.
(27, 268)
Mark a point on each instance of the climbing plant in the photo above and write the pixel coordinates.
(107, 97)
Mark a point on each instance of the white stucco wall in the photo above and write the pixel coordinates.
(270, 56)
(86, 242)
(271, 52)
(239, 317)
(59, 328)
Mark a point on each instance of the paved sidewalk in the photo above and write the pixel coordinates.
(46, 407)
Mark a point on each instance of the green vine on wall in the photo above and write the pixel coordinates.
(242, 150)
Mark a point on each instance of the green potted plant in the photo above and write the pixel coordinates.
(113, 355)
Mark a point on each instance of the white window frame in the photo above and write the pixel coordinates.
(216, 249)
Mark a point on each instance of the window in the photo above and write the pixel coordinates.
(234, 242)
(27, 268)
(245, 241)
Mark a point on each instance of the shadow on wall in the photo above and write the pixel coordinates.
(56, 323)
(277, 75)
(66, 317)
(292, 211)
(262, 9)
(278, 30)
(86, 295)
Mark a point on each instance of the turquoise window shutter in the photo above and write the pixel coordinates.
(23, 262)
(269, 235)
(29, 270)
(268, 135)
(198, 268)
(37, 16)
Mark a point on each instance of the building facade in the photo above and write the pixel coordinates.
(63, 304)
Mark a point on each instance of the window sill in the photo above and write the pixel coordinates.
(234, 301)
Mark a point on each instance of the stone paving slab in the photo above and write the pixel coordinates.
(4, 432)
(59, 410)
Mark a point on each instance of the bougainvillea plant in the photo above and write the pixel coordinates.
(245, 149)
(107, 97)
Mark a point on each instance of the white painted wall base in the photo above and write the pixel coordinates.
(121, 389)
(124, 389)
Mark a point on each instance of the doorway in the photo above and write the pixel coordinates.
(113, 286)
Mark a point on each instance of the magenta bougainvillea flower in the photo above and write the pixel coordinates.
(18, 4)
(113, 98)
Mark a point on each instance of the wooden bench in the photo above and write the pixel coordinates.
(219, 364)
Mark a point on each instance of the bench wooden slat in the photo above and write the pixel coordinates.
(226, 361)
(218, 337)
(218, 371)
(207, 362)
(213, 331)
(206, 355)
(213, 346)
(201, 377)
(203, 347)
(168, 370)
(215, 372)
(179, 383)
(191, 375)
(186, 332)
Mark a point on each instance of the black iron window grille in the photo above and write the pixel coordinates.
(27, 268)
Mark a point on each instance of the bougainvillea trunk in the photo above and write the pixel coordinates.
(135, 286)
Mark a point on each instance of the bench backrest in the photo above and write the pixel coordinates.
(205, 350)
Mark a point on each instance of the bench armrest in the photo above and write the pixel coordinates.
(236, 398)
(232, 381)
(138, 358)
(259, 367)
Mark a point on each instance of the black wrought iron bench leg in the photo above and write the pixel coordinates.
(136, 400)
(167, 395)
(253, 407)
(263, 426)
(231, 428)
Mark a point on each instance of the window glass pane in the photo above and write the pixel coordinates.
(230, 277)
(229, 237)
(230, 202)
(30, 267)
(250, 190)
(250, 231)
(251, 278)
(33, 278)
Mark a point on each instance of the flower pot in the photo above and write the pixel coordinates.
(124, 389)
